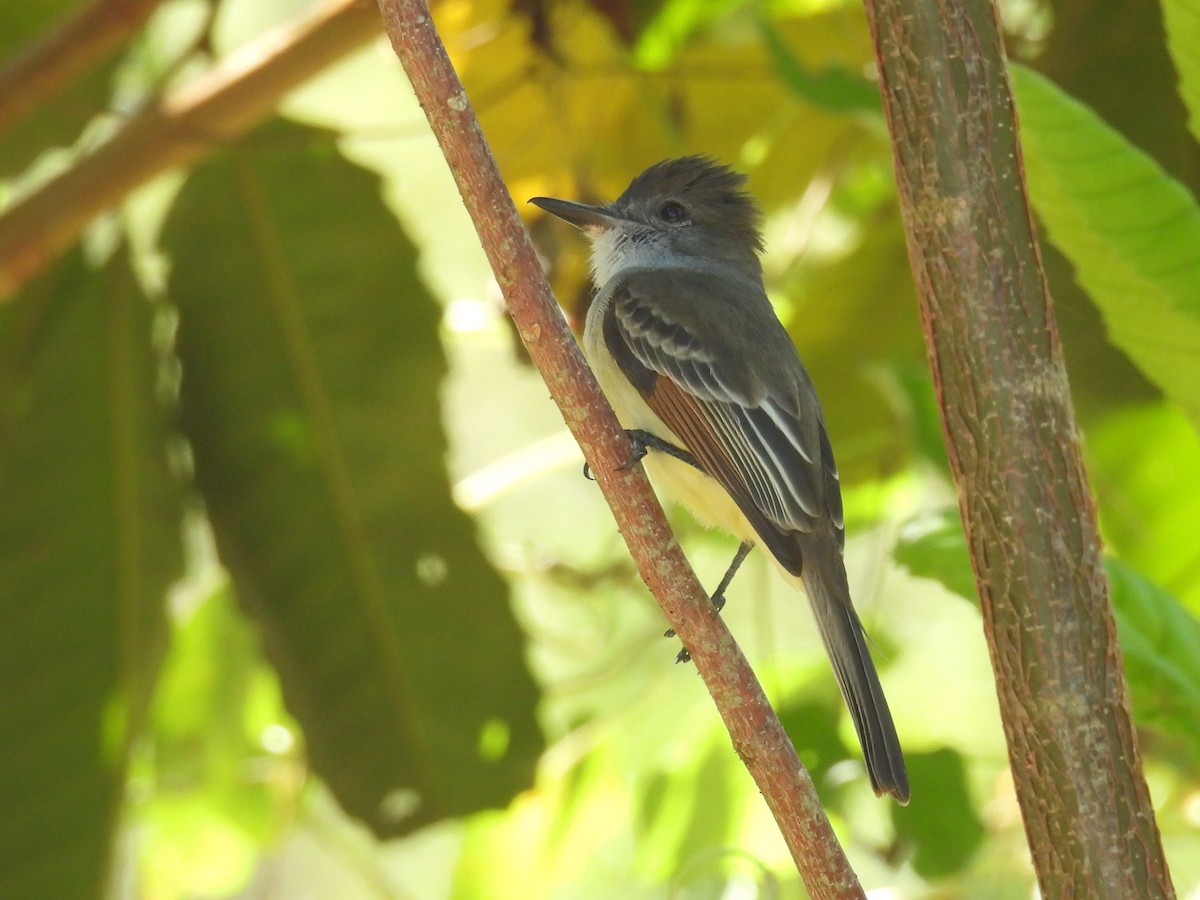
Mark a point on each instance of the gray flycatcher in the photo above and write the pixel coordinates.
(687, 347)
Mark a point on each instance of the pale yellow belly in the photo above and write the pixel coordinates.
(675, 481)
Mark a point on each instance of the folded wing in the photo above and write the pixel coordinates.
(749, 416)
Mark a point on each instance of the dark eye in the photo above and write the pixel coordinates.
(673, 213)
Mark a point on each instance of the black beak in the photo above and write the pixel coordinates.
(586, 217)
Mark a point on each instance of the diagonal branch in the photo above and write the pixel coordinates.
(46, 66)
(221, 105)
(757, 734)
(993, 345)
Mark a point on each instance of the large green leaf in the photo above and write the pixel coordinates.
(311, 369)
(1160, 640)
(1182, 21)
(89, 541)
(1131, 231)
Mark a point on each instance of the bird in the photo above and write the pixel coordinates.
(700, 371)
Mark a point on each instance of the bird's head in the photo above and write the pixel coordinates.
(678, 212)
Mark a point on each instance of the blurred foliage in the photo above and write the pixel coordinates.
(89, 544)
(61, 120)
(244, 406)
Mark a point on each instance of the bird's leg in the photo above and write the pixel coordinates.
(643, 442)
(718, 597)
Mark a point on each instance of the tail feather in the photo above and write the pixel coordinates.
(842, 632)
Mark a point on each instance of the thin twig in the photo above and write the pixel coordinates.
(757, 735)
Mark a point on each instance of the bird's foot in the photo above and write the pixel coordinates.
(718, 602)
(718, 597)
(643, 442)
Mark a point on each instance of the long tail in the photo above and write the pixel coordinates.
(829, 593)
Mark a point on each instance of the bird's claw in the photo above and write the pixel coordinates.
(718, 602)
(643, 442)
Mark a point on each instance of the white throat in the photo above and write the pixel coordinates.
(614, 251)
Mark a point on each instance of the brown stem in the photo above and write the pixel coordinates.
(46, 66)
(1010, 428)
(757, 735)
(219, 106)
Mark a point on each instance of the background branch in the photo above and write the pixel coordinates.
(757, 735)
(994, 348)
(222, 105)
(47, 66)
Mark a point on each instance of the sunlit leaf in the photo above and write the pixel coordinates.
(674, 22)
(1182, 21)
(1131, 231)
(90, 521)
(1144, 464)
(684, 812)
(311, 369)
(221, 756)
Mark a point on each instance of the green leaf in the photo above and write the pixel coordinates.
(1161, 643)
(834, 89)
(311, 370)
(669, 28)
(932, 546)
(812, 724)
(1131, 232)
(943, 831)
(1160, 639)
(1144, 465)
(90, 520)
(683, 812)
(1181, 18)
(918, 399)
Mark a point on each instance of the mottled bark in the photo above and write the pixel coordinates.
(1014, 450)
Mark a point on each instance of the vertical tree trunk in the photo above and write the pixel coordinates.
(1010, 429)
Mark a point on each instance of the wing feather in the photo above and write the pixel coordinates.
(758, 431)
